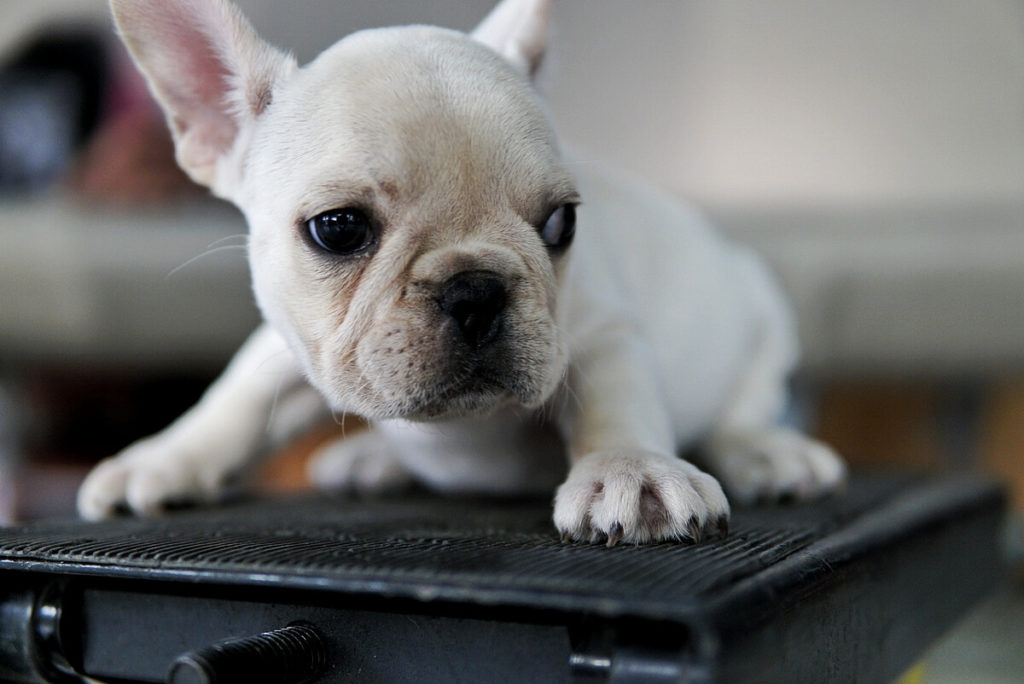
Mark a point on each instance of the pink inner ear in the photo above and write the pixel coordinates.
(184, 48)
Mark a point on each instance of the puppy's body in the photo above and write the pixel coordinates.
(411, 220)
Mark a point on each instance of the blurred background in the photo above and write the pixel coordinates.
(873, 151)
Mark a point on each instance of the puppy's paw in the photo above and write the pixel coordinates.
(146, 477)
(774, 464)
(362, 464)
(638, 497)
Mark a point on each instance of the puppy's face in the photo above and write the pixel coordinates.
(410, 225)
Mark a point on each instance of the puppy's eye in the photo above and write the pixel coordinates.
(559, 229)
(341, 231)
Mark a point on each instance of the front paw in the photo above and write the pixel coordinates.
(148, 476)
(638, 497)
(774, 464)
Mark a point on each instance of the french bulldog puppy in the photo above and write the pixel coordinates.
(425, 258)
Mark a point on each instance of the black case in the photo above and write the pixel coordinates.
(425, 589)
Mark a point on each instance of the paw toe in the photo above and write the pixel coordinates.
(776, 465)
(638, 499)
(149, 491)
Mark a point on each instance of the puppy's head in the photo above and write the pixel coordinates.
(409, 215)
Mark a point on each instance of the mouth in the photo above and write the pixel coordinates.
(414, 373)
(475, 396)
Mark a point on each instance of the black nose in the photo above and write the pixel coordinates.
(476, 302)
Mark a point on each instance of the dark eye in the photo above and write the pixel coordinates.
(341, 231)
(559, 229)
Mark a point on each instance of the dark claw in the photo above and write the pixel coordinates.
(723, 526)
(615, 534)
(566, 537)
(693, 527)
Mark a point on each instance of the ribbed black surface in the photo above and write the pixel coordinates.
(452, 549)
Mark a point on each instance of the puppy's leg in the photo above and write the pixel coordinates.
(198, 455)
(509, 452)
(626, 482)
(365, 463)
(753, 456)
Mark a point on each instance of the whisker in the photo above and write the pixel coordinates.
(243, 236)
(222, 248)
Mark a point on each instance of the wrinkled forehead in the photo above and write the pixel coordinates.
(410, 109)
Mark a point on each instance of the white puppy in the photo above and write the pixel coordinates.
(411, 220)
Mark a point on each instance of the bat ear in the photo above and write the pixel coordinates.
(210, 72)
(518, 31)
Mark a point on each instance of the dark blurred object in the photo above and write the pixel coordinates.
(130, 158)
(87, 414)
(51, 100)
(69, 419)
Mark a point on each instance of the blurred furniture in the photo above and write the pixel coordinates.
(897, 291)
(162, 287)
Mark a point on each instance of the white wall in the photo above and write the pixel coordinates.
(764, 101)
(747, 101)
(803, 100)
